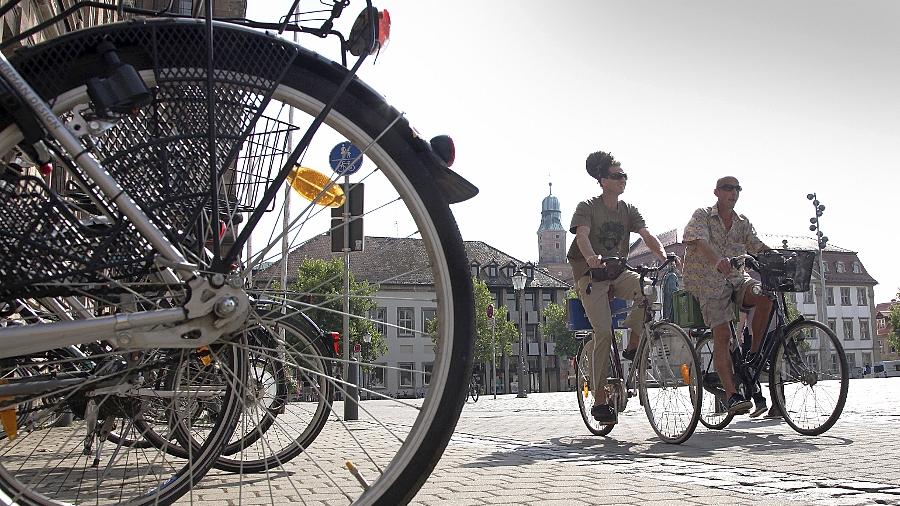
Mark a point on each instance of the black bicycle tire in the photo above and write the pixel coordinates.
(697, 399)
(586, 416)
(228, 464)
(318, 78)
(728, 416)
(777, 396)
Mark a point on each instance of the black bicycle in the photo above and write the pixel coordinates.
(807, 391)
(474, 389)
(138, 162)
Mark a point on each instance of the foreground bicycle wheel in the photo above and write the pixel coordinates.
(669, 382)
(713, 412)
(584, 392)
(160, 157)
(810, 394)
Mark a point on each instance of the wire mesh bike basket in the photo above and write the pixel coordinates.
(786, 270)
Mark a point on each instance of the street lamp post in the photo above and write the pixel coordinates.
(822, 241)
(518, 280)
(367, 341)
(490, 315)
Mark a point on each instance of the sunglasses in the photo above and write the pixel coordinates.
(730, 187)
(617, 175)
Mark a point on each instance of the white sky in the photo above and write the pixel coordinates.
(790, 97)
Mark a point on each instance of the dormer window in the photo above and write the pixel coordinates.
(857, 269)
(509, 269)
(529, 270)
(474, 269)
(492, 270)
(839, 267)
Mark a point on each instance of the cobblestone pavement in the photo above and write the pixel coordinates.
(537, 451)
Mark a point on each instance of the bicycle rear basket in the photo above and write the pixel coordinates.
(786, 270)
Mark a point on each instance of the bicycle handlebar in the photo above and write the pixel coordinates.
(640, 269)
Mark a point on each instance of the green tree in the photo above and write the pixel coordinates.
(554, 324)
(894, 321)
(320, 284)
(791, 314)
(503, 335)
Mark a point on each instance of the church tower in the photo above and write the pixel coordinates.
(551, 235)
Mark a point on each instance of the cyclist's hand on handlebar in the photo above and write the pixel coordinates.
(725, 266)
(595, 261)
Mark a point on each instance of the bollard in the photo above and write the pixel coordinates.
(351, 400)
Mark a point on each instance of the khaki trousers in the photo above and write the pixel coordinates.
(596, 307)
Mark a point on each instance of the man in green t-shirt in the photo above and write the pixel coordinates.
(602, 227)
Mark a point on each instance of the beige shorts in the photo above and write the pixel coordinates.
(720, 309)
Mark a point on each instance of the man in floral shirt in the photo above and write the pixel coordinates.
(712, 237)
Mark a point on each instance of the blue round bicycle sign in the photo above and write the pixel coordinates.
(345, 158)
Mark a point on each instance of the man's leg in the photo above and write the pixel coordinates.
(722, 357)
(718, 313)
(750, 297)
(596, 306)
(628, 286)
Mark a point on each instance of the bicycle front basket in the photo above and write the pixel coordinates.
(786, 270)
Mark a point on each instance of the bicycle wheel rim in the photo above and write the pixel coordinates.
(811, 397)
(160, 477)
(585, 394)
(669, 383)
(361, 116)
(713, 413)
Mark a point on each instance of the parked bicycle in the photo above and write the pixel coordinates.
(474, 389)
(138, 161)
(664, 371)
(808, 392)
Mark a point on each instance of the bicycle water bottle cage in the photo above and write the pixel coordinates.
(122, 91)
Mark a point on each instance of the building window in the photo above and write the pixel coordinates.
(839, 266)
(832, 324)
(512, 302)
(473, 270)
(845, 296)
(546, 298)
(376, 376)
(851, 360)
(510, 270)
(406, 321)
(379, 316)
(857, 269)
(864, 333)
(829, 295)
(867, 359)
(808, 297)
(182, 7)
(848, 329)
(428, 314)
(881, 322)
(426, 372)
(825, 266)
(492, 271)
(406, 374)
(813, 361)
(529, 301)
(834, 362)
(861, 297)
